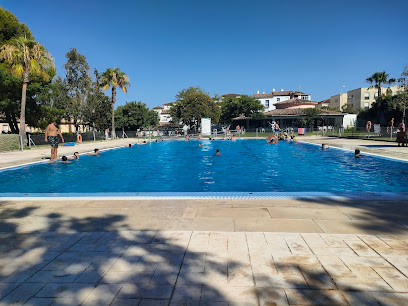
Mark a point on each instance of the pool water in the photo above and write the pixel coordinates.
(182, 166)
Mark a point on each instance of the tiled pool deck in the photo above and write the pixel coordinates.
(294, 251)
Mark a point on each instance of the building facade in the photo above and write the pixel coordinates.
(360, 98)
(269, 100)
(164, 113)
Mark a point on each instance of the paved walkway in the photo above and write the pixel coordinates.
(195, 252)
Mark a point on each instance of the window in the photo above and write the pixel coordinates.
(367, 96)
(277, 99)
(305, 98)
(266, 104)
(376, 95)
(366, 105)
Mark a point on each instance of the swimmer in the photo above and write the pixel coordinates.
(218, 152)
(76, 156)
(324, 146)
(64, 159)
(143, 143)
(356, 153)
(233, 138)
(199, 145)
(129, 145)
(95, 152)
(187, 137)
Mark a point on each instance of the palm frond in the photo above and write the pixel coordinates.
(106, 86)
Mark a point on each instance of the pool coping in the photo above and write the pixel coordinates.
(340, 196)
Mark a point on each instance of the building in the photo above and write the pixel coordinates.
(295, 103)
(269, 100)
(164, 113)
(288, 117)
(360, 98)
(324, 103)
(230, 95)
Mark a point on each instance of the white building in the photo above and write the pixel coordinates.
(164, 113)
(269, 100)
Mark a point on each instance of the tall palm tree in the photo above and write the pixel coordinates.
(379, 78)
(114, 78)
(25, 56)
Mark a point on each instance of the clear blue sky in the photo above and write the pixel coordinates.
(225, 46)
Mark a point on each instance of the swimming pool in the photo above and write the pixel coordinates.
(182, 166)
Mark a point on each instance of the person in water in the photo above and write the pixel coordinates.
(356, 153)
(95, 152)
(324, 146)
(218, 152)
(199, 145)
(75, 156)
(64, 159)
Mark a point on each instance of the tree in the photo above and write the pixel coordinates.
(78, 82)
(403, 90)
(114, 78)
(98, 107)
(309, 117)
(10, 27)
(247, 106)
(193, 104)
(24, 57)
(134, 115)
(349, 109)
(378, 79)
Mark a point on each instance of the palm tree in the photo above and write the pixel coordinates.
(25, 56)
(379, 78)
(114, 77)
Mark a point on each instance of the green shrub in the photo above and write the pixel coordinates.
(9, 142)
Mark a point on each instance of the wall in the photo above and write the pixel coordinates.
(349, 120)
(337, 102)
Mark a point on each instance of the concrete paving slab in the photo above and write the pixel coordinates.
(310, 213)
(233, 213)
(276, 225)
(206, 224)
(361, 227)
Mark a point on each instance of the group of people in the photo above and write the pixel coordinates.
(357, 152)
(51, 136)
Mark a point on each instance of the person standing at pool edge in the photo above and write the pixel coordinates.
(51, 135)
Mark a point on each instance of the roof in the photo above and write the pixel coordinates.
(279, 93)
(298, 112)
(157, 107)
(297, 101)
(230, 95)
(165, 112)
(325, 101)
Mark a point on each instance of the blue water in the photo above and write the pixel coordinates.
(181, 166)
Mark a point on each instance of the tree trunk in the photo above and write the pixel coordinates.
(380, 113)
(11, 120)
(22, 112)
(113, 112)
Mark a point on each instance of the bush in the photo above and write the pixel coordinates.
(9, 142)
